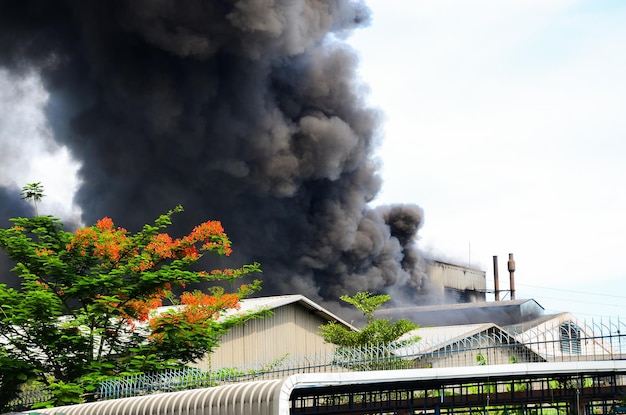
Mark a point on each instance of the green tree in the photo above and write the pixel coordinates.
(370, 348)
(86, 308)
(375, 332)
(13, 374)
(34, 193)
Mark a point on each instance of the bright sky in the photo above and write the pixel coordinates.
(505, 122)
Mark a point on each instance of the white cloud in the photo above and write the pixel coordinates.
(27, 150)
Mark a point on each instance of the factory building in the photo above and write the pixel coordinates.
(456, 283)
(459, 297)
(291, 329)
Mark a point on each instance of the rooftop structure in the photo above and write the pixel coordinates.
(456, 283)
(502, 313)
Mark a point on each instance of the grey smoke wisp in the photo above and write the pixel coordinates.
(246, 111)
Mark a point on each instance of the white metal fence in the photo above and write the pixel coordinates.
(550, 342)
(568, 341)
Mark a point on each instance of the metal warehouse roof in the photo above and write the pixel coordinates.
(276, 301)
(501, 313)
(434, 338)
(249, 305)
(465, 306)
(437, 335)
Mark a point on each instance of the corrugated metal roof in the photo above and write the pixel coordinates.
(527, 325)
(276, 301)
(448, 332)
(250, 305)
(460, 306)
(502, 313)
(434, 338)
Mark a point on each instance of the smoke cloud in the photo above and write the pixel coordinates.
(245, 111)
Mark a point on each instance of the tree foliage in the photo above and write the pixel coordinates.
(34, 193)
(86, 306)
(375, 332)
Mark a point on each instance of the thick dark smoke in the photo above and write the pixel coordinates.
(246, 111)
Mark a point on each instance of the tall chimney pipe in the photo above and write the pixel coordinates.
(496, 282)
(511, 264)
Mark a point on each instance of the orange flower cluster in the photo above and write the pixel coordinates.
(105, 223)
(111, 241)
(82, 240)
(212, 234)
(41, 284)
(107, 241)
(199, 308)
(144, 265)
(190, 252)
(43, 252)
(163, 246)
(218, 302)
(227, 272)
(142, 308)
(139, 310)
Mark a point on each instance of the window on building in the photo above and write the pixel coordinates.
(570, 338)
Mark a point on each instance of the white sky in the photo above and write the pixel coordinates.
(505, 122)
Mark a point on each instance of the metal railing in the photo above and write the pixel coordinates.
(565, 341)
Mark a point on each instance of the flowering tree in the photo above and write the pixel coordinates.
(87, 304)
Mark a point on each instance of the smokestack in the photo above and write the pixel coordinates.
(496, 282)
(511, 264)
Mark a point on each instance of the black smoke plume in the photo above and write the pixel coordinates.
(245, 111)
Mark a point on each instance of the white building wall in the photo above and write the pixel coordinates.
(292, 331)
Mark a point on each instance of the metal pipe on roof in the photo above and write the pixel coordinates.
(496, 282)
(511, 265)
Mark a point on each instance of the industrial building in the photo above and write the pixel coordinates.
(291, 329)
(453, 283)
(460, 297)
